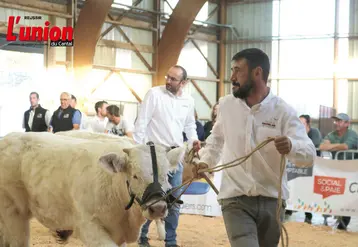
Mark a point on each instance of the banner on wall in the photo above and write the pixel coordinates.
(200, 198)
(329, 187)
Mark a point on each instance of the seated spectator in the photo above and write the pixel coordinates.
(340, 139)
(313, 133)
(117, 125)
(209, 125)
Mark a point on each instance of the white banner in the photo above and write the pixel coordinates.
(329, 187)
(200, 198)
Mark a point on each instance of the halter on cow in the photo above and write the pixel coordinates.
(154, 190)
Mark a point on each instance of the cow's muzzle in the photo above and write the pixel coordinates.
(154, 191)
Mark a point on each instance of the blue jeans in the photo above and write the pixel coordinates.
(171, 221)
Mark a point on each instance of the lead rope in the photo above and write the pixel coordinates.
(192, 154)
(282, 229)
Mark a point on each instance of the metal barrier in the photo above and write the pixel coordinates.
(326, 155)
(346, 153)
(353, 154)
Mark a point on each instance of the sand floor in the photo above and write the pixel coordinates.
(195, 231)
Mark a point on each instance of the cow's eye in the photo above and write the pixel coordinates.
(135, 177)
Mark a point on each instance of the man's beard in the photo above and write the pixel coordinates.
(172, 89)
(244, 90)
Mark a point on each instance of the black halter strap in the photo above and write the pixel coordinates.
(154, 161)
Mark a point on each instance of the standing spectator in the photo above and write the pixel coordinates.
(99, 122)
(316, 137)
(117, 125)
(73, 104)
(199, 129)
(209, 125)
(65, 117)
(36, 119)
(165, 113)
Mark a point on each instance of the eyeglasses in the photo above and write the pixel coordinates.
(167, 77)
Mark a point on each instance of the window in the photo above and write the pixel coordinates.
(191, 59)
(125, 2)
(307, 17)
(202, 15)
(305, 96)
(311, 58)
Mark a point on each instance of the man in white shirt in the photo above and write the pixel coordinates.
(165, 113)
(117, 125)
(99, 122)
(248, 193)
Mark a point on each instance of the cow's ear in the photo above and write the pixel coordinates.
(113, 162)
(175, 156)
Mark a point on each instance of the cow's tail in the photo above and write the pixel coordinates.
(62, 236)
(160, 229)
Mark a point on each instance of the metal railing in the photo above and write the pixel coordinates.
(347, 155)
(352, 153)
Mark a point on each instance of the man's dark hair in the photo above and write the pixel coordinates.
(99, 104)
(307, 117)
(73, 97)
(113, 110)
(255, 58)
(37, 95)
(184, 74)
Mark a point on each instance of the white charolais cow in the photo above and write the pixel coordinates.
(78, 184)
(125, 141)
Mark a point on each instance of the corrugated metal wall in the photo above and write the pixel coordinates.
(252, 22)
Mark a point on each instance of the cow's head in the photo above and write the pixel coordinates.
(146, 185)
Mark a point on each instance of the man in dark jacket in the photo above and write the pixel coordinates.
(65, 117)
(36, 119)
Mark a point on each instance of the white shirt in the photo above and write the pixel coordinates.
(31, 119)
(239, 129)
(163, 117)
(98, 125)
(120, 129)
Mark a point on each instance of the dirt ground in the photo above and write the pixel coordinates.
(199, 231)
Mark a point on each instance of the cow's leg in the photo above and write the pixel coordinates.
(93, 235)
(14, 226)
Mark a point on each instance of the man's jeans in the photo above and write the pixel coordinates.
(250, 221)
(171, 221)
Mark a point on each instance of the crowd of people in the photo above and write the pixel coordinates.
(239, 122)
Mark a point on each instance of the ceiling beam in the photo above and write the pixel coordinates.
(88, 29)
(174, 35)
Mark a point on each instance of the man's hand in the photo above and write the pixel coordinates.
(197, 167)
(196, 145)
(283, 144)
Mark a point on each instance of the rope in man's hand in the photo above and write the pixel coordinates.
(201, 168)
